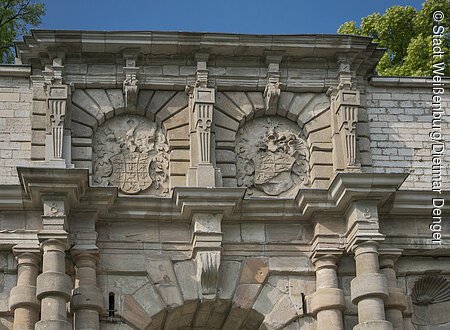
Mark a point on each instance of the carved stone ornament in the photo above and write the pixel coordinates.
(272, 157)
(208, 264)
(131, 152)
(271, 95)
(430, 289)
(130, 90)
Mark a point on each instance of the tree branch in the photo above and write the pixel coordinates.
(6, 47)
(18, 14)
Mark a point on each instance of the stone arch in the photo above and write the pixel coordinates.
(165, 296)
(311, 111)
(90, 108)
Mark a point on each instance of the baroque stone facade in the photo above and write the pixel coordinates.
(160, 180)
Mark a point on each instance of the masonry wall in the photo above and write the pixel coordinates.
(15, 126)
(400, 121)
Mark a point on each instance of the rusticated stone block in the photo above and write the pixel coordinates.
(374, 325)
(366, 285)
(245, 295)
(396, 299)
(326, 298)
(254, 270)
(53, 325)
(53, 283)
(134, 313)
(23, 295)
(87, 297)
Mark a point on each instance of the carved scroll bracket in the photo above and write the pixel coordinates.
(206, 251)
(345, 101)
(272, 90)
(202, 171)
(58, 136)
(131, 82)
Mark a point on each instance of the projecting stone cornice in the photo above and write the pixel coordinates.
(38, 182)
(309, 203)
(361, 49)
(347, 187)
(15, 70)
(424, 82)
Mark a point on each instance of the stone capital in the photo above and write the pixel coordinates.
(53, 240)
(85, 257)
(27, 254)
(389, 256)
(326, 260)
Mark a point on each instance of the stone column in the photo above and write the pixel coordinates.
(53, 285)
(22, 299)
(328, 302)
(369, 288)
(87, 300)
(396, 302)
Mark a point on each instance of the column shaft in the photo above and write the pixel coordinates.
(53, 286)
(87, 300)
(328, 301)
(23, 296)
(396, 303)
(369, 288)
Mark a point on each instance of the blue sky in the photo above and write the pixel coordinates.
(235, 16)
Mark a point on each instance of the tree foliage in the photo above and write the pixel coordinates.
(16, 17)
(407, 34)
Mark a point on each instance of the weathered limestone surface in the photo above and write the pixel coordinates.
(170, 180)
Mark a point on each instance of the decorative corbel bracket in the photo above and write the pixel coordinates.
(131, 82)
(206, 252)
(206, 229)
(272, 90)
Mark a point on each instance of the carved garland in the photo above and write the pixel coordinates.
(131, 152)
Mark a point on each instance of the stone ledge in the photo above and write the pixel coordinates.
(15, 70)
(425, 82)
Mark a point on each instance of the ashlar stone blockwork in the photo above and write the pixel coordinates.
(170, 180)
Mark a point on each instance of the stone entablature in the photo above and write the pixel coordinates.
(210, 181)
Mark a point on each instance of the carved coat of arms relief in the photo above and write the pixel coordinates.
(132, 153)
(272, 157)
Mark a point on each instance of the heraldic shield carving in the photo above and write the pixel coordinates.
(131, 152)
(272, 157)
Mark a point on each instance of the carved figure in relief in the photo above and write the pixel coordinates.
(272, 156)
(131, 152)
